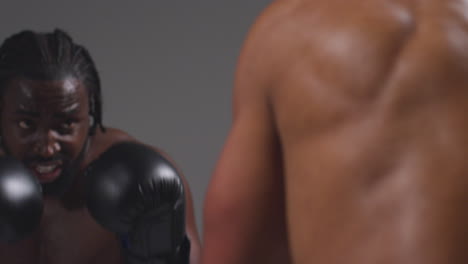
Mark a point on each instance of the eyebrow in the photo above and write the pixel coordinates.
(69, 110)
(22, 111)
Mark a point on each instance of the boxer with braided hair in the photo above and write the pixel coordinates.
(68, 191)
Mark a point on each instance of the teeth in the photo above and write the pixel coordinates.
(45, 169)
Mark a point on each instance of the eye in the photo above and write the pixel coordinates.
(68, 124)
(25, 124)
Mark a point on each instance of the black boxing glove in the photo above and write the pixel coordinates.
(21, 203)
(136, 193)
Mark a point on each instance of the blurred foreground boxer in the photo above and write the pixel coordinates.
(71, 190)
(349, 138)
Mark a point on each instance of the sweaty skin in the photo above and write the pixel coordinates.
(349, 138)
(67, 232)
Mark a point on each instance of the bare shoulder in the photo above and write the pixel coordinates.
(294, 24)
(291, 33)
(102, 140)
(302, 51)
(260, 57)
(113, 135)
(261, 44)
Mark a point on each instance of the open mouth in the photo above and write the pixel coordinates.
(46, 172)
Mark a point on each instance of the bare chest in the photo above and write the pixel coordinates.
(65, 237)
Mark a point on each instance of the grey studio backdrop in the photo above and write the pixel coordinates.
(167, 68)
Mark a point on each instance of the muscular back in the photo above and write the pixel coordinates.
(363, 103)
(371, 113)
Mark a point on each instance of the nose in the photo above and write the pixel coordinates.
(46, 144)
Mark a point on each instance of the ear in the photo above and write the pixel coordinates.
(92, 125)
(1, 109)
(91, 119)
(2, 149)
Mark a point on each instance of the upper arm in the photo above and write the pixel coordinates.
(244, 213)
(244, 206)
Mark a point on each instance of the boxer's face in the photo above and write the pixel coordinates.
(45, 124)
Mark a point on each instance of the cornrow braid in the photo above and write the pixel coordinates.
(51, 56)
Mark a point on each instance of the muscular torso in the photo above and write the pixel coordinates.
(64, 237)
(67, 232)
(370, 100)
